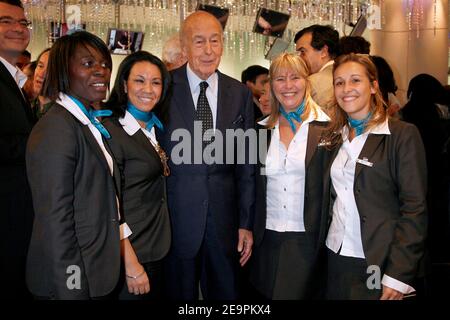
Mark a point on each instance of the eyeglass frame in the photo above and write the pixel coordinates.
(10, 21)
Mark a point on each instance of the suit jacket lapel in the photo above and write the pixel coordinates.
(11, 83)
(371, 145)
(313, 141)
(117, 174)
(94, 145)
(183, 98)
(142, 140)
(224, 104)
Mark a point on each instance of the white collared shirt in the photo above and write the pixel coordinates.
(285, 170)
(211, 91)
(65, 101)
(345, 228)
(19, 77)
(131, 126)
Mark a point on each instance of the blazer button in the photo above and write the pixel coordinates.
(162, 200)
(363, 219)
(113, 220)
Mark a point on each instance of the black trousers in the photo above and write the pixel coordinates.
(213, 268)
(347, 279)
(283, 266)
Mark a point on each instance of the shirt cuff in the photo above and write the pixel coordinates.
(125, 231)
(396, 285)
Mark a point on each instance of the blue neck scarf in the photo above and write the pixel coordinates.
(92, 115)
(359, 125)
(149, 118)
(296, 115)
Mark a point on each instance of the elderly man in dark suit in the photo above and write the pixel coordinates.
(16, 121)
(211, 206)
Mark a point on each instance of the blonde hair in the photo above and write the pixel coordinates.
(294, 63)
(377, 105)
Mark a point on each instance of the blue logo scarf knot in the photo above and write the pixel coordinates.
(359, 125)
(92, 115)
(149, 118)
(296, 115)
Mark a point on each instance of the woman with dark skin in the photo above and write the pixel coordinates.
(74, 251)
(137, 100)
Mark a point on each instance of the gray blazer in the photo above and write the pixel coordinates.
(76, 221)
(391, 201)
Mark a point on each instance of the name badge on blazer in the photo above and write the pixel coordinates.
(365, 161)
(324, 143)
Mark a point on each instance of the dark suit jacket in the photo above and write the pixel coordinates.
(316, 161)
(144, 203)
(76, 222)
(16, 210)
(225, 191)
(391, 201)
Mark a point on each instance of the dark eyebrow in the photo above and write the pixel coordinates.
(9, 17)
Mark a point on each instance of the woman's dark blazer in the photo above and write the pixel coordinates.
(75, 244)
(391, 200)
(316, 161)
(144, 203)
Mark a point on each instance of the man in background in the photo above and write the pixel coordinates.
(319, 45)
(172, 55)
(254, 77)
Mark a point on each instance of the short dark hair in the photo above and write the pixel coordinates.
(386, 80)
(59, 60)
(26, 53)
(16, 3)
(117, 102)
(322, 35)
(354, 44)
(252, 72)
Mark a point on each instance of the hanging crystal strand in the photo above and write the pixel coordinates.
(417, 15)
(434, 17)
(408, 17)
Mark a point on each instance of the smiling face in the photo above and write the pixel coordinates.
(144, 85)
(40, 72)
(353, 89)
(14, 37)
(89, 74)
(202, 43)
(289, 89)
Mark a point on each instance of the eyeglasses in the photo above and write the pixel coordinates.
(9, 22)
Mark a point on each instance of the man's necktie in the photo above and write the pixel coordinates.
(204, 113)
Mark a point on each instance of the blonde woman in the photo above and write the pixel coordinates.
(377, 188)
(288, 219)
